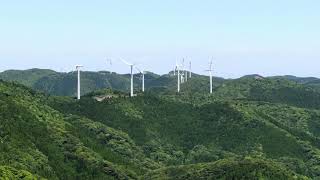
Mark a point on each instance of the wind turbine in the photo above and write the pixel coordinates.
(131, 68)
(186, 74)
(143, 73)
(178, 75)
(190, 70)
(210, 70)
(78, 90)
(109, 61)
(182, 74)
(175, 68)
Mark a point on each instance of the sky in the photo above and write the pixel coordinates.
(267, 37)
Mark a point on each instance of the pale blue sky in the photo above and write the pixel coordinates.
(268, 37)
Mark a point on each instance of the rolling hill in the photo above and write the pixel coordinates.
(26, 77)
(270, 90)
(65, 84)
(176, 132)
(37, 140)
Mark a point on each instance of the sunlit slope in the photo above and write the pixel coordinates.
(40, 140)
(26, 77)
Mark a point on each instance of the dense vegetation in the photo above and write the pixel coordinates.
(247, 168)
(38, 139)
(250, 128)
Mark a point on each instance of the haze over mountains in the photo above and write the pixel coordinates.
(64, 84)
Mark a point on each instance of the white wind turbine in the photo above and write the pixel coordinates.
(210, 70)
(109, 62)
(185, 71)
(175, 69)
(78, 88)
(182, 73)
(131, 68)
(190, 70)
(143, 73)
(185, 74)
(178, 75)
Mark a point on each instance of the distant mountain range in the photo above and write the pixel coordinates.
(64, 84)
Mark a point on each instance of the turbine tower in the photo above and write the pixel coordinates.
(185, 72)
(210, 70)
(143, 73)
(131, 68)
(178, 75)
(109, 62)
(190, 70)
(78, 89)
(182, 73)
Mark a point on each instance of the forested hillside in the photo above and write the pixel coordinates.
(247, 168)
(26, 77)
(65, 84)
(39, 141)
(174, 131)
(250, 128)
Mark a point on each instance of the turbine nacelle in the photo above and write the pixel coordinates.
(78, 67)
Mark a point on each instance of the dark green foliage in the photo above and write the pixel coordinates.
(174, 131)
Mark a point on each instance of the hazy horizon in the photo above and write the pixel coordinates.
(244, 37)
(128, 73)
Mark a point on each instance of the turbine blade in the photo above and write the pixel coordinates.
(138, 69)
(127, 63)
